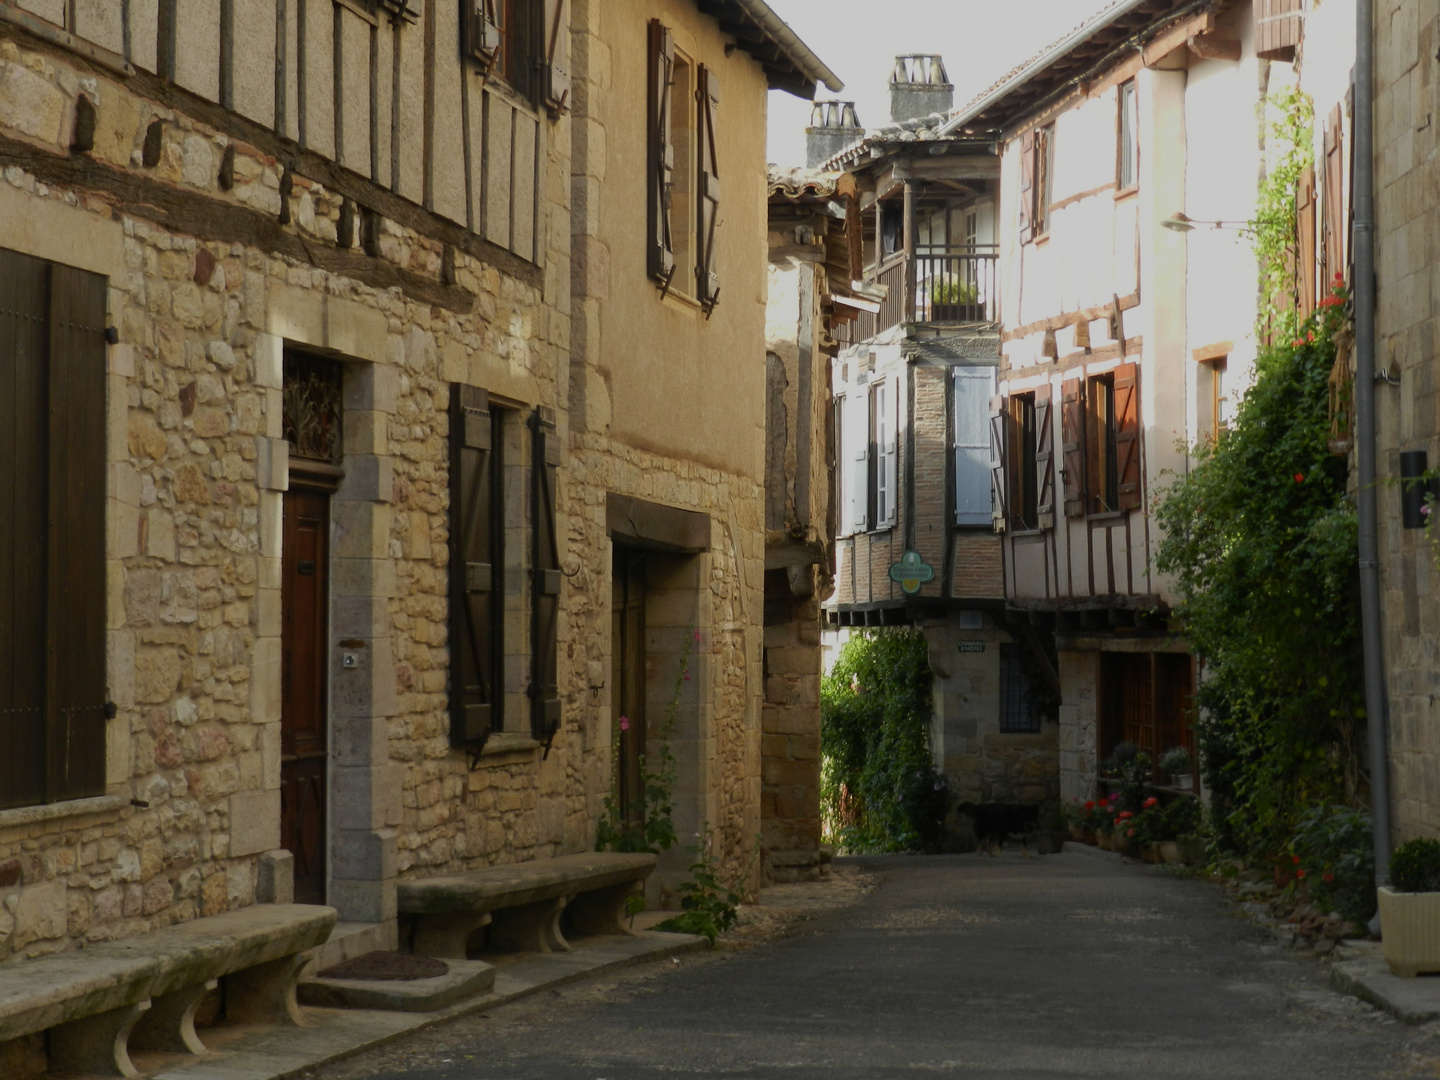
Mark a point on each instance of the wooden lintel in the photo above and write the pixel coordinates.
(1211, 47)
(1177, 37)
(1129, 347)
(1214, 352)
(1059, 322)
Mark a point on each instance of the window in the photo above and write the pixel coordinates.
(869, 454)
(53, 704)
(973, 389)
(1018, 715)
(684, 170)
(1128, 172)
(1023, 482)
(883, 454)
(1037, 167)
(1103, 483)
(1215, 398)
(1023, 496)
(1101, 442)
(520, 42)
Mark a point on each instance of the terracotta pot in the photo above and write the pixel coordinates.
(1077, 833)
(1410, 931)
(1091, 839)
(1170, 852)
(1105, 841)
(1151, 854)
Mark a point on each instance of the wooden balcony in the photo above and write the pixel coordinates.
(941, 285)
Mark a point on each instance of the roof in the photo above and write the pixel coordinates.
(788, 62)
(799, 184)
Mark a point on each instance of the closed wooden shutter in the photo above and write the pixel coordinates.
(999, 447)
(1127, 436)
(661, 153)
(483, 38)
(973, 389)
(1072, 434)
(1026, 202)
(1044, 459)
(1333, 211)
(857, 432)
(545, 579)
(707, 268)
(1278, 28)
(557, 56)
(1306, 265)
(475, 646)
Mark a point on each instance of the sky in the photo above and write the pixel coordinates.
(980, 40)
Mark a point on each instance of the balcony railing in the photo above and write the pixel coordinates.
(954, 284)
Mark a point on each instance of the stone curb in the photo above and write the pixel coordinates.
(281, 1053)
(1360, 970)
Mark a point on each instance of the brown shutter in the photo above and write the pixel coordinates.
(1026, 207)
(482, 32)
(661, 153)
(1333, 261)
(557, 56)
(707, 269)
(544, 580)
(872, 462)
(1305, 227)
(1072, 425)
(24, 407)
(1127, 436)
(474, 604)
(1278, 28)
(999, 448)
(1044, 459)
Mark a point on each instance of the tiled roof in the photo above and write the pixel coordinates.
(800, 183)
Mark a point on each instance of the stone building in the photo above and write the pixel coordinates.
(377, 433)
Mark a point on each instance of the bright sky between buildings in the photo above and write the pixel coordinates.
(980, 41)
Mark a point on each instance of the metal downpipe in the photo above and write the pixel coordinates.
(1376, 698)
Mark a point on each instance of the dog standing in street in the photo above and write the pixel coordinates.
(997, 822)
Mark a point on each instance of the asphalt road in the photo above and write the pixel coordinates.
(1058, 966)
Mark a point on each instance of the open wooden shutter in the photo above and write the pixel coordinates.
(544, 579)
(1127, 436)
(1072, 434)
(1026, 207)
(1278, 28)
(483, 38)
(474, 701)
(1044, 459)
(707, 268)
(1333, 208)
(661, 153)
(1305, 227)
(556, 79)
(999, 447)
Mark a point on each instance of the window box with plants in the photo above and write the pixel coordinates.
(956, 301)
(1410, 909)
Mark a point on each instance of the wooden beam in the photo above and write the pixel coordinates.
(1211, 47)
(1177, 37)
(1059, 322)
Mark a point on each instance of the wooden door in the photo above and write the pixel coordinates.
(304, 716)
(627, 681)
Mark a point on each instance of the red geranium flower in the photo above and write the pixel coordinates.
(1299, 478)
(1125, 815)
(1299, 873)
(1152, 801)
(1329, 878)
(1295, 859)
(1090, 805)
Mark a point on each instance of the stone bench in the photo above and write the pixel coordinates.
(98, 1002)
(522, 903)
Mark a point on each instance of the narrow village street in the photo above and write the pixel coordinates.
(1058, 966)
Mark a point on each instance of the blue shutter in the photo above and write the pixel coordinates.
(973, 389)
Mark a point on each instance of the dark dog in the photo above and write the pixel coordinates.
(997, 822)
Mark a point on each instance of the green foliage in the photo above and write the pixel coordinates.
(1275, 230)
(1415, 866)
(1261, 538)
(1177, 760)
(879, 790)
(710, 906)
(1333, 854)
(954, 291)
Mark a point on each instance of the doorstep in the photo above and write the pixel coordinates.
(1359, 969)
(279, 1053)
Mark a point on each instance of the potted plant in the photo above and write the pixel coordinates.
(1410, 909)
(953, 300)
(1180, 765)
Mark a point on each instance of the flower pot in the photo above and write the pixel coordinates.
(1077, 833)
(1410, 931)
(1183, 780)
(1105, 841)
(1091, 839)
(1170, 852)
(1151, 854)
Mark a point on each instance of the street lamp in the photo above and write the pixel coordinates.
(1182, 222)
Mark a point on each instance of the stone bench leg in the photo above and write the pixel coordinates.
(530, 927)
(169, 1025)
(602, 911)
(265, 993)
(446, 936)
(96, 1044)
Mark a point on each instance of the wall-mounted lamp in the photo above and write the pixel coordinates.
(1182, 222)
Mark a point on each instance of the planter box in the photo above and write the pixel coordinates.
(1410, 931)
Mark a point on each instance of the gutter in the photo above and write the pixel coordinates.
(811, 66)
(1377, 706)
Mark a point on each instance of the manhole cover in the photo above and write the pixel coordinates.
(388, 965)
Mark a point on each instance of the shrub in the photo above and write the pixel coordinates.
(1415, 866)
(1334, 856)
(1177, 760)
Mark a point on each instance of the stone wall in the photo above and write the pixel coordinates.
(1079, 682)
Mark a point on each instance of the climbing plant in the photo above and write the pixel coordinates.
(879, 789)
(1275, 231)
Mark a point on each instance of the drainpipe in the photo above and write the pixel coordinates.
(1376, 703)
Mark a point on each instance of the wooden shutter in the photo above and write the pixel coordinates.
(973, 389)
(1305, 227)
(661, 153)
(1127, 436)
(857, 428)
(1278, 28)
(707, 261)
(1333, 208)
(1044, 459)
(1026, 207)
(474, 598)
(557, 56)
(544, 579)
(483, 38)
(1072, 434)
(999, 447)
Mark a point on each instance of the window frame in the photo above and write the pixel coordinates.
(1102, 479)
(1044, 183)
(1017, 713)
(978, 446)
(883, 479)
(1127, 138)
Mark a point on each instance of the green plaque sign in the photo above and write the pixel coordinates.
(911, 572)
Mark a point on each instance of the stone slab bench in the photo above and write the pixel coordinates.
(98, 1002)
(522, 903)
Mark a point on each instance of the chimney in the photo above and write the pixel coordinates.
(833, 126)
(919, 87)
